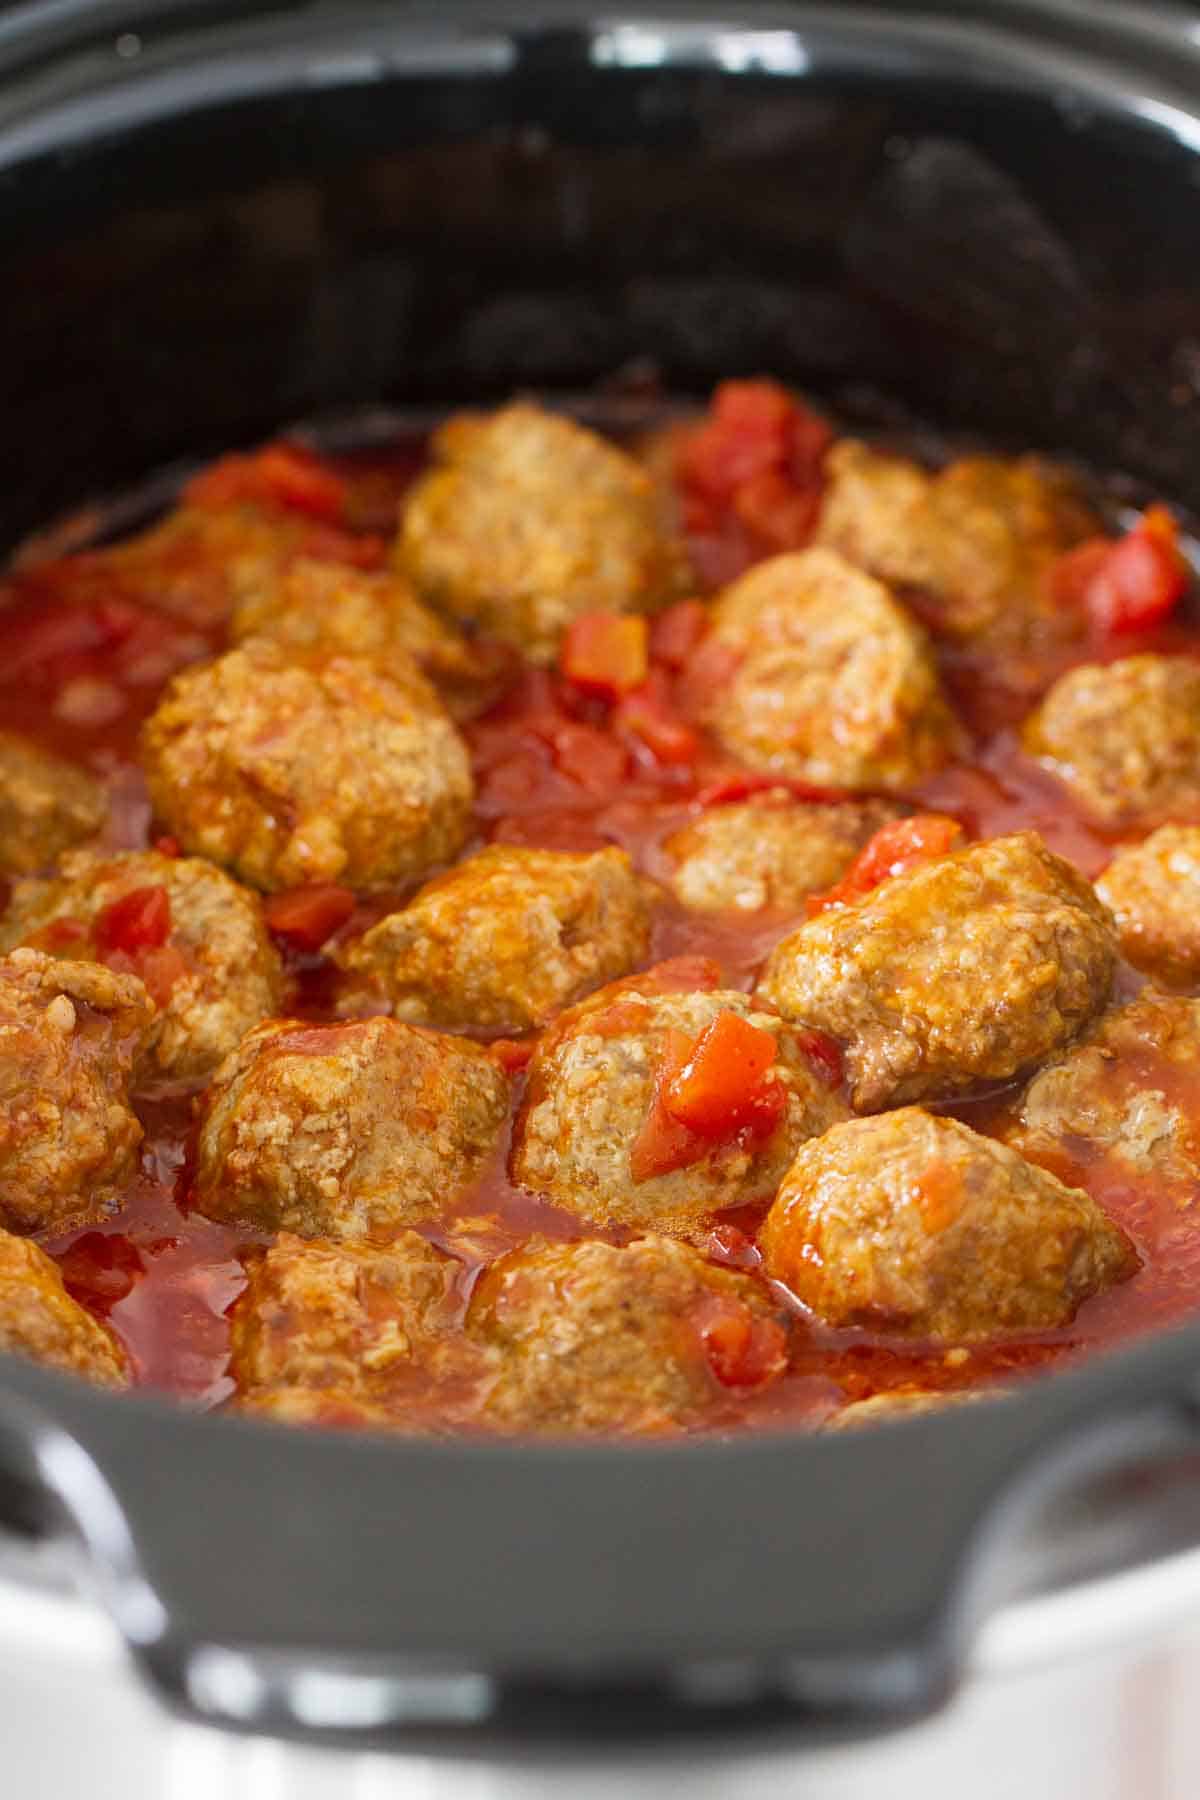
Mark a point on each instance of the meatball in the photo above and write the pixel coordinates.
(69, 1034)
(345, 1131)
(335, 610)
(831, 681)
(507, 939)
(1153, 891)
(769, 852)
(1124, 737)
(210, 963)
(905, 1403)
(348, 1322)
(529, 520)
(1127, 1094)
(592, 1084)
(291, 772)
(915, 1224)
(968, 969)
(39, 1319)
(977, 539)
(648, 1339)
(46, 805)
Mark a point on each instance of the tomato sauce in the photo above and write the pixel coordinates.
(84, 654)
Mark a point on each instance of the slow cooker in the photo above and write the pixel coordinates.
(220, 220)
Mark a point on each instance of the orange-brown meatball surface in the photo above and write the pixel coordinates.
(915, 1224)
(1153, 892)
(39, 1319)
(46, 805)
(770, 852)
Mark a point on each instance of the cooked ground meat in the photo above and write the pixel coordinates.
(39, 1319)
(291, 772)
(69, 1034)
(1153, 891)
(1128, 1093)
(530, 520)
(831, 681)
(977, 539)
(967, 969)
(1124, 737)
(345, 1131)
(46, 805)
(646, 1339)
(591, 1087)
(334, 610)
(214, 975)
(368, 1324)
(915, 1224)
(506, 939)
(770, 852)
(905, 1403)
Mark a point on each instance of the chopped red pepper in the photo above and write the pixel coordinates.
(675, 634)
(606, 653)
(286, 475)
(139, 920)
(648, 716)
(1128, 584)
(743, 1350)
(895, 849)
(664, 1143)
(716, 1091)
(307, 916)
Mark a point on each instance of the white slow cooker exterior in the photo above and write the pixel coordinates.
(1092, 1693)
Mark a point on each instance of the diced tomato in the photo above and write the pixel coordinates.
(746, 433)
(100, 1268)
(138, 920)
(715, 1091)
(1129, 584)
(894, 850)
(286, 475)
(774, 510)
(167, 846)
(751, 476)
(823, 1051)
(307, 916)
(664, 1143)
(61, 932)
(513, 1054)
(730, 1246)
(606, 653)
(725, 785)
(676, 633)
(742, 1350)
(591, 758)
(160, 967)
(648, 716)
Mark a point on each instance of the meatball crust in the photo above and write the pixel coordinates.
(914, 1224)
(591, 1085)
(529, 520)
(69, 1034)
(1153, 891)
(968, 969)
(507, 938)
(330, 609)
(39, 1319)
(592, 1338)
(1127, 1094)
(292, 772)
(46, 805)
(977, 539)
(1124, 738)
(345, 1131)
(220, 974)
(770, 852)
(832, 682)
(905, 1403)
(346, 1320)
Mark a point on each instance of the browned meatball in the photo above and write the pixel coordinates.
(648, 1339)
(507, 939)
(345, 1131)
(69, 1034)
(1124, 737)
(293, 772)
(968, 969)
(592, 1084)
(39, 1319)
(215, 974)
(832, 682)
(1127, 1094)
(351, 1321)
(905, 1403)
(769, 852)
(1153, 891)
(335, 610)
(977, 539)
(529, 520)
(46, 805)
(915, 1224)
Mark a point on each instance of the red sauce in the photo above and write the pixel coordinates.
(560, 769)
